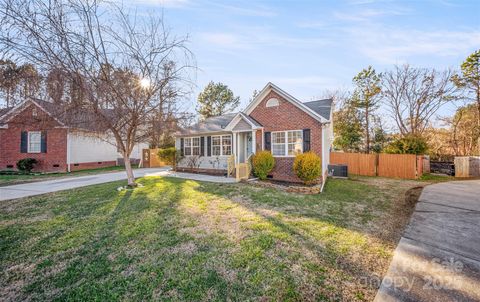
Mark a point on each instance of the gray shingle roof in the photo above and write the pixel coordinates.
(322, 107)
(251, 120)
(3, 112)
(211, 124)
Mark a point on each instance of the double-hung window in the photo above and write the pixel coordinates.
(191, 146)
(187, 147)
(196, 145)
(226, 145)
(287, 143)
(221, 145)
(34, 142)
(216, 145)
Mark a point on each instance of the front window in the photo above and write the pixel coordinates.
(196, 146)
(278, 143)
(287, 143)
(221, 145)
(187, 147)
(295, 142)
(226, 145)
(216, 146)
(34, 141)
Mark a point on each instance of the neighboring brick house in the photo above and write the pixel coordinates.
(60, 143)
(273, 121)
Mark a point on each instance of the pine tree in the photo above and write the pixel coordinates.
(216, 99)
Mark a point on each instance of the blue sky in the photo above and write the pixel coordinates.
(307, 47)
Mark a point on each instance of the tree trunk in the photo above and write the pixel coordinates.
(129, 170)
(367, 136)
(478, 119)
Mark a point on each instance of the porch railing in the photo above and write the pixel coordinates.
(230, 165)
(243, 170)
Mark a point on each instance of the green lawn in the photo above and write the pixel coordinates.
(181, 240)
(436, 178)
(6, 180)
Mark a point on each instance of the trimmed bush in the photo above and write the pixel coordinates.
(410, 144)
(168, 155)
(26, 165)
(262, 162)
(308, 167)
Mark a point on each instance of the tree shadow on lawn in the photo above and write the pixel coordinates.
(177, 239)
(355, 258)
(76, 250)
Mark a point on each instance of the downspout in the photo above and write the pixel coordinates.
(68, 151)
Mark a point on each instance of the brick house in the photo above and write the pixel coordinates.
(273, 121)
(59, 142)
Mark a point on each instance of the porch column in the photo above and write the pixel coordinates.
(254, 141)
(234, 147)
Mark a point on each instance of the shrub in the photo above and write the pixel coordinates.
(262, 162)
(26, 165)
(168, 155)
(410, 144)
(308, 167)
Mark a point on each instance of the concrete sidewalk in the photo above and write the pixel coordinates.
(438, 258)
(42, 187)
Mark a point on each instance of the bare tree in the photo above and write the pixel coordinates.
(414, 95)
(122, 63)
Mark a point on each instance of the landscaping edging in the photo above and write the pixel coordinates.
(308, 190)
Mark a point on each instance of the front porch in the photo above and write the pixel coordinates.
(225, 151)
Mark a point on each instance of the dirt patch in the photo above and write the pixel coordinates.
(395, 222)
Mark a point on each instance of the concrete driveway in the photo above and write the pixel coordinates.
(438, 258)
(42, 187)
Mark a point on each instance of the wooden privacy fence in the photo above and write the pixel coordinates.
(358, 163)
(150, 159)
(408, 166)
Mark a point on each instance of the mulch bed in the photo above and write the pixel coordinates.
(287, 187)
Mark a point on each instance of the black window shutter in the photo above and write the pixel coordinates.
(306, 140)
(209, 146)
(202, 146)
(24, 142)
(43, 147)
(181, 146)
(268, 141)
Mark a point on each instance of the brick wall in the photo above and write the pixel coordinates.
(284, 117)
(54, 160)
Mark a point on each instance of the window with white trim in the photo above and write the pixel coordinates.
(216, 145)
(273, 102)
(287, 143)
(196, 145)
(294, 142)
(187, 146)
(221, 145)
(191, 146)
(34, 142)
(226, 145)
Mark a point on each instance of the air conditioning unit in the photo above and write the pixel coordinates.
(338, 171)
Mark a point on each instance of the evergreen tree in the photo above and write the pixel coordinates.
(366, 98)
(216, 99)
(469, 79)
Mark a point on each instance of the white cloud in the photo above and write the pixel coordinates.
(369, 14)
(164, 3)
(249, 38)
(249, 10)
(387, 45)
(224, 40)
